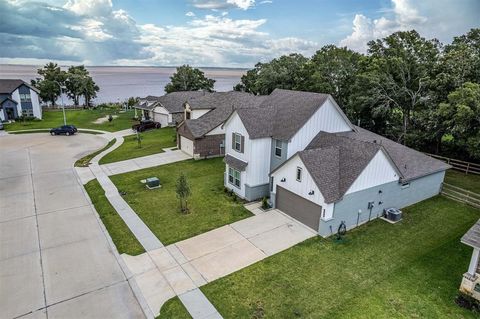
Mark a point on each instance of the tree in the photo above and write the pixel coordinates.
(49, 82)
(187, 78)
(398, 73)
(285, 72)
(89, 90)
(76, 77)
(183, 192)
(461, 117)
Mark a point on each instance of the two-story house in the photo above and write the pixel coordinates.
(299, 149)
(17, 99)
(201, 134)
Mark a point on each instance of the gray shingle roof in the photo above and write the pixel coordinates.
(335, 162)
(174, 101)
(235, 162)
(223, 103)
(410, 163)
(7, 86)
(283, 113)
(472, 236)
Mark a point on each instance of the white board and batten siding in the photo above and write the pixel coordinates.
(256, 153)
(302, 188)
(327, 118)
(379, 171)
(161, 115)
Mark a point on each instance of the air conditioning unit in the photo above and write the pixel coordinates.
(152, 182)
(393, 214)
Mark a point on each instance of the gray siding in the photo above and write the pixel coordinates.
(23, 89)
(391, 195)
(275, 161)
(9, 105)
(256, 192)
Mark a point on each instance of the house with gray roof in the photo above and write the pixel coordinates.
(169, 109)
(201, 134)
(471, 279)
(18, 98)
(300, 150)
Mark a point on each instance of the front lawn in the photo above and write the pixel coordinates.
(79, 118)
(209, 206)
(121, 235)
(409, 270)
(470, 182)
(152, 142)
(85, 161)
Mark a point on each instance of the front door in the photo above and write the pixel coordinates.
(10, 112)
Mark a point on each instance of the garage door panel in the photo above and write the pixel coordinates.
(186, 145)
(298, 207)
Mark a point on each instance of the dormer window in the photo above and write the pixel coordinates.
(278, 148)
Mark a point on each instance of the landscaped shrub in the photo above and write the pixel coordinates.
(234, 197)
(468, 302)
(265, 204)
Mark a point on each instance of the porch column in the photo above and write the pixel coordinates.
(472, 269)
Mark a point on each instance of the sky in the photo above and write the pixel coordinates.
(215, 33)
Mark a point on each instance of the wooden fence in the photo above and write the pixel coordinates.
(466, 167)
(461, 195)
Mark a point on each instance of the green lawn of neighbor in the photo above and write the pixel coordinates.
(408, 270)
(80, 118)
(209, 206)
(152, 142)
(470, 182)
(85, 161)
(121, 235)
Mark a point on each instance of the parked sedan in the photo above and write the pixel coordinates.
(145, 125)
(64, 129)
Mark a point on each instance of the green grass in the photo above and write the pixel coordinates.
(409, 270)
(85, 161)
(174, 309)
(121, 235)
(209, 206)
(469, 182)
(79, 118)
(153, 142)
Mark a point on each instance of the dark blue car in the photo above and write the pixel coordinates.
(64, 129)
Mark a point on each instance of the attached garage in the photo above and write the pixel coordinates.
(298, 207)
(161, 118)
(186, 145)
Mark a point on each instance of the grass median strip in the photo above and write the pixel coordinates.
(85, 161)
(152, 142)
(409, 270)
(121, 235)
(210, 207)
(174, 308)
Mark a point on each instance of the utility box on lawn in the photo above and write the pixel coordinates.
(152, 182)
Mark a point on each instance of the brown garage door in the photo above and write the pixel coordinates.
(298, 207)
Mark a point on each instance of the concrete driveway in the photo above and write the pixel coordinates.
(55, 259)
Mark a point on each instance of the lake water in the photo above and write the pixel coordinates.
(120, 83)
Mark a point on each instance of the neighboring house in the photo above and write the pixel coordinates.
(299, 149)
(168, 109)
(201, 134)
(17, 98)
(471, 279)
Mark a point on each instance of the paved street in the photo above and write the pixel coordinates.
(55, 260)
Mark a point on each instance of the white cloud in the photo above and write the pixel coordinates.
(431, 18)
(223, 4)
(190, 14)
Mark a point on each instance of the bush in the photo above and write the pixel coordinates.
(226, 190)
(234, 197)
(265, 204)
(468, 302)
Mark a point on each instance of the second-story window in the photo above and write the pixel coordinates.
(237, 142)
(25, 98)
(278, 148)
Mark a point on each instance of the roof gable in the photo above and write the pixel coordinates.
(7, 86)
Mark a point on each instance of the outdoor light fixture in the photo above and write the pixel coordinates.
(380, 191)
(311, 193)
(283, 180)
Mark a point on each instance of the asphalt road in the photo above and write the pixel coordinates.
(55, 260)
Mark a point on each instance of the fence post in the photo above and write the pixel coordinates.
(468, 166)
(448, 160)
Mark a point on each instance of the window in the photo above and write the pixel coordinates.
(237, 142)
(299, 174)
(27, 112)
(278, 148)
(25, 98)
(187, 115)
(234, 177)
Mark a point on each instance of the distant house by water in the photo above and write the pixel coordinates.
(17, 98)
